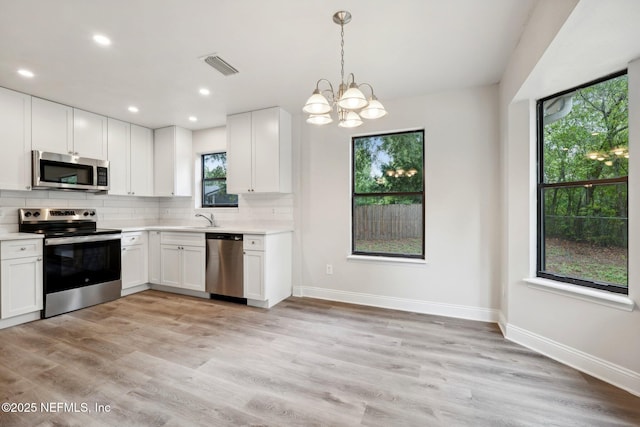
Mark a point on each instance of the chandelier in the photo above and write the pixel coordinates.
(350, 103)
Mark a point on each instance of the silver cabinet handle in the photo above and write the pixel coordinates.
(39, 258)
(23, 248)
(124, 249)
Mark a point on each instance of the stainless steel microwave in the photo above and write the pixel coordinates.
(67, 172)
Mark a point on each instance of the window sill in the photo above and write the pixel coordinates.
(368, 258)
(609, 299)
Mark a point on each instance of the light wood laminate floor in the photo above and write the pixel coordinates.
(159, 359)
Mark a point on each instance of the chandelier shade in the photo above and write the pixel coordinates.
(374, 110)
(350, 120)
(319, 119)
(349, 102)
(353, 99)
(317, 104)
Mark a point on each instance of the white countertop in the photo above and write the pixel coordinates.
(20, 236)
(198, 229)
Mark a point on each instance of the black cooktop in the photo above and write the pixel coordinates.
(60, 222)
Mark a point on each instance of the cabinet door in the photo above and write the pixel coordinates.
(239, 154)
(141, 163)
(170, 265)
(89, 134)
(21, 286)
(193, 265)
(163, 161)
(51, 126)
(118, 149)
(154, 257)
(134, 266)
(266, 150)
(253, 275)
(183, 162)
(15, 134)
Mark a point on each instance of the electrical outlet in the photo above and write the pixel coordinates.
(329, 269)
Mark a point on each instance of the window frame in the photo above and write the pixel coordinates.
(541, 186)
(202, 182)
(354, 195)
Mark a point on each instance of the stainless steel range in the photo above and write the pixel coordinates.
(81, 262)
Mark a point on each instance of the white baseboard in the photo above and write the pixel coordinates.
(134, 289)
(619, 376)
(403, 304)
(17, 320)
(502, 323)
(181, 291)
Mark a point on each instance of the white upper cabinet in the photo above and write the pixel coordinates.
(118, 156)
(259, 152)
(61, 129)
(172, 166)
(51, 126)
(130, 159)
(89, 134)
(15, 137)
(141, 161)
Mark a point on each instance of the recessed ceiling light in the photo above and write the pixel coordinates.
(101, 40)
(204, 91)
(193, 119)
(133, 109)
(25, 73)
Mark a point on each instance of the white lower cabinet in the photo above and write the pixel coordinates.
(135, 270)
(154, 257)
(267, 268)
(20, 277)
(253, 271)
(182, 260)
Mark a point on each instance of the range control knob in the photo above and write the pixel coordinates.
(93, 213)
(27, 214)
(86, 213)
(36, 214)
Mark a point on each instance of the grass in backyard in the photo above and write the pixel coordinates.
(395, 246)
(587, 261)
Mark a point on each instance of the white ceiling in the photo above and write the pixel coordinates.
(280, 47)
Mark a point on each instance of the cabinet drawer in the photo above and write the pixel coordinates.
(134, 238)
(10, 249)
(183, 239)
(253, 242)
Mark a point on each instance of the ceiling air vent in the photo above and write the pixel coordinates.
(220, 64)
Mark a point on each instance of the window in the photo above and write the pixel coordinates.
(388, 195)
(583, 159)
(214, 182)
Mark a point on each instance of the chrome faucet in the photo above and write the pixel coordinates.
(210, 218)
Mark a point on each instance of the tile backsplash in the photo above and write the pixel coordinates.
(123, 211)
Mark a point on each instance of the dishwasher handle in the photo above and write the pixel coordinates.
(224, 236)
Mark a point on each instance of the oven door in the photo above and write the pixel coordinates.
(75, 262)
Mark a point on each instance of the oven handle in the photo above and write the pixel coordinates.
(81, 239)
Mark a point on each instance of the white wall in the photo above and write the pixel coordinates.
(597, 339)
(460, 277)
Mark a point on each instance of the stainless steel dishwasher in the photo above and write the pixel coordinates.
(224, 265)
